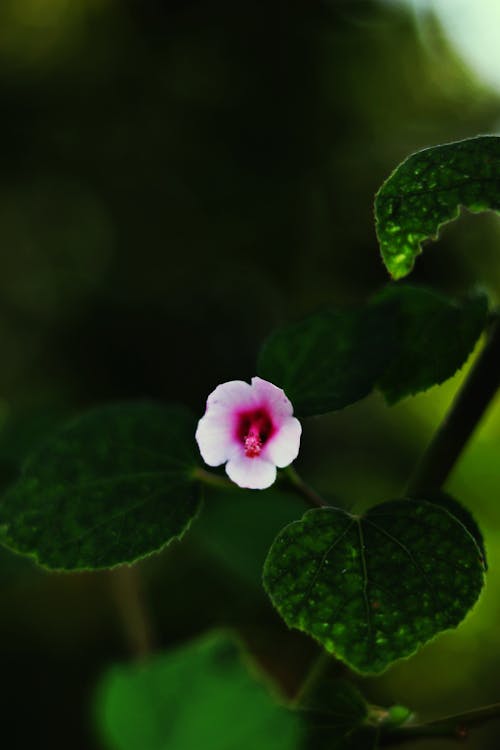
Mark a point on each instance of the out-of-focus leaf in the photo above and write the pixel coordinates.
(199, 696)
(238, 527)
(426, 191)
(372, 589)
(109, 487)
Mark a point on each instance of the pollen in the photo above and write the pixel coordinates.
(252, 443)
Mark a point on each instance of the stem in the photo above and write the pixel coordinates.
(467, 409)
(289, 476)
(454, 727)
(296, 483)
(127, 590)
(213, 480)
(314, 674)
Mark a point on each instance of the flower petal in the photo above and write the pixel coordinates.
(215, 439)
(252, 473)
(275, 398)
(231, 396)
(283, 447)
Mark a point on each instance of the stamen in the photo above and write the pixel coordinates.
(253, 430)
(252, 442)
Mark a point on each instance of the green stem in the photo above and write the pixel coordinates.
(289, 477)
(453, 727)
(297, 484)
(314, 674)
(466, 411)
(212, 480)
(127, 589)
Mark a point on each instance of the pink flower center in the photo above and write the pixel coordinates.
(254, 428)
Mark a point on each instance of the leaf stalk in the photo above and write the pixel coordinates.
(297, 484)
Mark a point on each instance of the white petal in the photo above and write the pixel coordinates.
(215, 439)
(279, 405)
(283, 447)
(252, 473)
(231, 396)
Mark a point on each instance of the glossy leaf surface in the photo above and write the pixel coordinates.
(372, 589)
(426, 191)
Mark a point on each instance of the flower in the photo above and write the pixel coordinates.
(251, 429)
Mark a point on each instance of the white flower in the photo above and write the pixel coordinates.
(250, 428)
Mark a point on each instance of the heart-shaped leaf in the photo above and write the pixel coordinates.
(372, 589)
(426, 353)
(330, 360)
(427, 190)
(107, 488)
(463, 515)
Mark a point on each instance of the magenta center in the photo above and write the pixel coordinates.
(253, 430)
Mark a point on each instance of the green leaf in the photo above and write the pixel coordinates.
(399, 341)
(464, 516)
(372, 589)
(435, 337)
(331, 359)
(427, 190)
(107, 488)
(199, 696)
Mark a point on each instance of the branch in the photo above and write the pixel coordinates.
(289, 478)
(297, 484)
(213, 480)
(469, 406)
(452, 727)
(127, 590)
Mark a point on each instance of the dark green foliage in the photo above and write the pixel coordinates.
(427, 190)
(331, 359)
(405, 340)
(199, 696)
(372, 589)
(238, 526)
(338, 698)
(144, 706)
(107, 488)
(334, 711)
(464, 516)
(435, 336)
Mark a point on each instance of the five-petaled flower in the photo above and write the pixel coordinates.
(250, 428)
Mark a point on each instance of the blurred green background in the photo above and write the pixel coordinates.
(176, 179)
